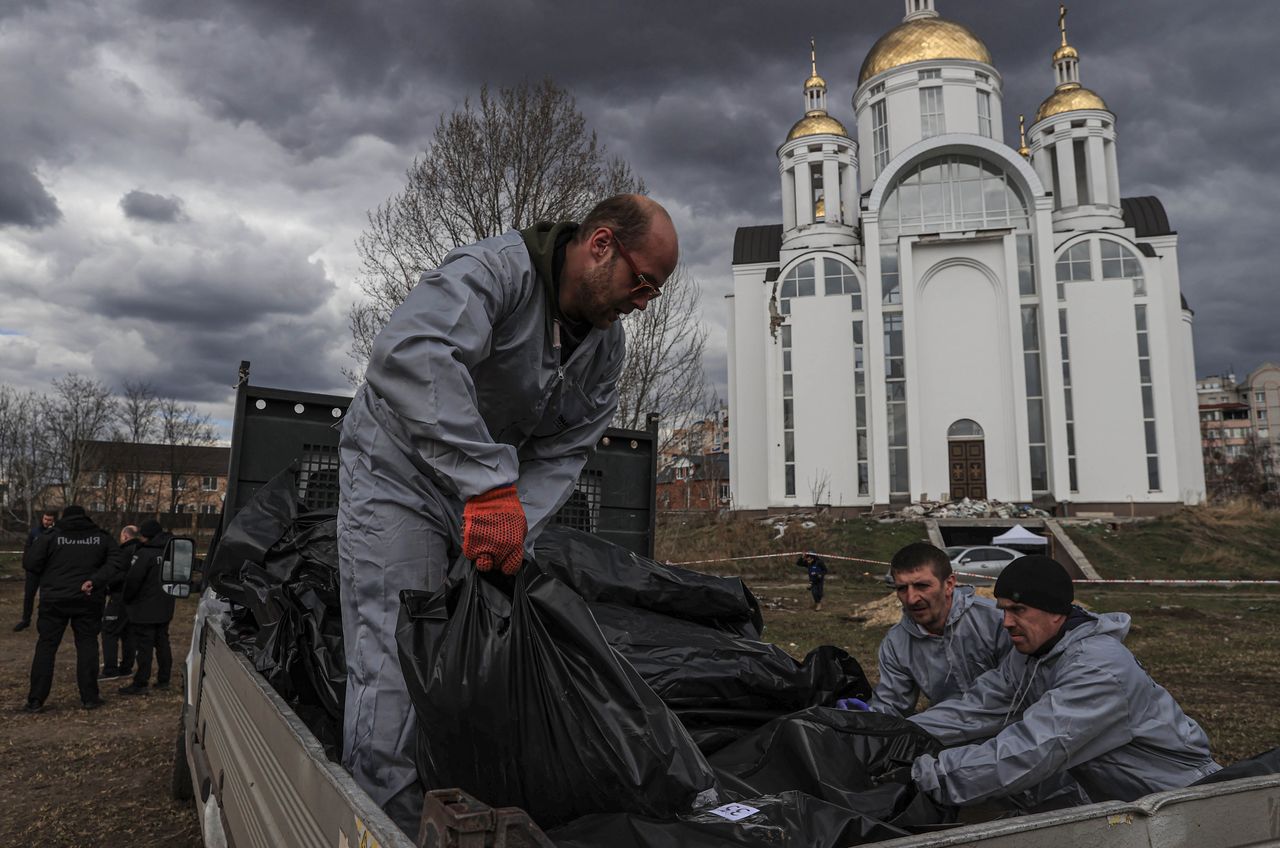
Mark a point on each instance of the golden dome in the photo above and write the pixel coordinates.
(920, 40)
(1070, 98)
(820, 124)
(815, 81)
(1066, 51)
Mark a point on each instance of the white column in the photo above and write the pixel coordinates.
(831, 187)
(1040, 161)
(1113, 173)
(788, 199)
(804, 192)
(849, 192)
(1096, 157)
(1067, 197)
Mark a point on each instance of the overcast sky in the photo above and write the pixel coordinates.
(181, 184)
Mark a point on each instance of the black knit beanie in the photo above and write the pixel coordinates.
(1037, 581)
(150, 528)
(73, 511)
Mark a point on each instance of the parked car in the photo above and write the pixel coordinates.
(979, 564)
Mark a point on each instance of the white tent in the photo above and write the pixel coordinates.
(1019, 535)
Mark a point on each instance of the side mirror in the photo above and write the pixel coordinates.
(965, 560)
(176, 565)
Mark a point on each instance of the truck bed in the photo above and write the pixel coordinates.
(274, 782)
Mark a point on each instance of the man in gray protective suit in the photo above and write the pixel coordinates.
(947, 637)
(483, 395)
(1070, 696)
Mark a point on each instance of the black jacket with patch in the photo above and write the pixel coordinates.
(74, 551)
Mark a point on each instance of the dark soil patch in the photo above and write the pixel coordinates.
(72, 777)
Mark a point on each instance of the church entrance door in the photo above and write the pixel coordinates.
(966, 452)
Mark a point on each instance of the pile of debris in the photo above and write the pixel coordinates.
(965, 508)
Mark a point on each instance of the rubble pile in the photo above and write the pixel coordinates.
(965, 508)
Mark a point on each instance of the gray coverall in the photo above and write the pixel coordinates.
(464, 392)
(1086, 706)
(913, 660)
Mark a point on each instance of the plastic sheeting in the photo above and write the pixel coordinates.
(603, 572)
(834, 755)
(1260, 765)
(791, 819)
(720, 684)
(521, 701)
(278, 568)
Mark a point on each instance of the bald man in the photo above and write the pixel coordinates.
(484, 394)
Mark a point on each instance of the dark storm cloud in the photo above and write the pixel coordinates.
(182, 316)
(144, 206)
(311, 102)
(24, 202)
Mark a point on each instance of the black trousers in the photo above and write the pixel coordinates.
(149, 638)
(85, 617)
(29, 594)
(117, 642)
(815, 589)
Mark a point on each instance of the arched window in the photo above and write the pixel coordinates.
(1119, 263)
(952, 193)
(799, 281)
(837, 277)
(965, 428)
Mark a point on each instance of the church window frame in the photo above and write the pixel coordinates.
(985, 127)
(953, 193)
(880, 135)
(933, 112)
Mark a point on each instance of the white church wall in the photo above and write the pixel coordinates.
(1110, 445)
(960, 336)
(1186, 412)
(749, 323)
(822, 373)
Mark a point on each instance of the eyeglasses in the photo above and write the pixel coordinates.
(649, 287)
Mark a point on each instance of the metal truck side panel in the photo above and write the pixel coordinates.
(274, 782)
(1236, 814)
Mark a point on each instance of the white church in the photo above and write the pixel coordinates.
(942, 315)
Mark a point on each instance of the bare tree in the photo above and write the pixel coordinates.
(663, 372)
(24, 459)
(137, 423)
(182, 426)
(518, 157)
(80, 411)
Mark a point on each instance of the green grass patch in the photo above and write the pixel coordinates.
(1229, 543)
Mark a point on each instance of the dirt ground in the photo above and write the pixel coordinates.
(71, 777)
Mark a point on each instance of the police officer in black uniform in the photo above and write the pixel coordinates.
(74, 563)
(149, 609)
(117, 641)
(47, 519)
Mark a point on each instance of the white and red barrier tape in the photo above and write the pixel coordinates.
(1151, 582)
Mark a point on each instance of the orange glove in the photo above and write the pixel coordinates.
(493, 530)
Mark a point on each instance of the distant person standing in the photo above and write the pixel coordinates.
(149, 608)
(117, 642)
(817, 575)
(47, 520)
(74, 562)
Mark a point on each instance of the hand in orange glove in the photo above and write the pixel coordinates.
(493, 530)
